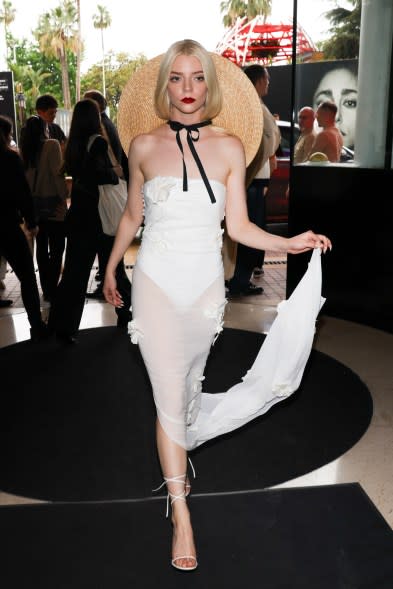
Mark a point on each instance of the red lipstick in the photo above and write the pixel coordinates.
(188, 100)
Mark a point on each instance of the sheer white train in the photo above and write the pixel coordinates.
(277, 370)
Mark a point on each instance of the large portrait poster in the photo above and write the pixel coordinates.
(331, 80)
(314, 83)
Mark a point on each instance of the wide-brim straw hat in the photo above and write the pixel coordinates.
(241, 113)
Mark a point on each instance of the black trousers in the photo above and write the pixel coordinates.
(83, 243)
(16, 250)
(248, 258)
(50, 243)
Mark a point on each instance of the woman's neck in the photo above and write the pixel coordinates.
(187, 119)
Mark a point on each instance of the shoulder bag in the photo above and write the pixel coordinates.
(112, 199)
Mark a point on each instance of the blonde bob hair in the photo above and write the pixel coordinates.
(213, 103)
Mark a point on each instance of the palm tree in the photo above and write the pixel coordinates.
(36, 79)
(102, 21)
(345, 30)
(56, 34)
(78, 52)
(235, 9)
(31, 80)
(7, 16)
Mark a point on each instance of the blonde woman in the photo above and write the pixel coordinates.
(185, 174)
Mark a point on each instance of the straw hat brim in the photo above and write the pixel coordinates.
(241, 114)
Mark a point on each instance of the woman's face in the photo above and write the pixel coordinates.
(187, 88)
(340, 86)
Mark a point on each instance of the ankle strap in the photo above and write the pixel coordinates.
(173, 497)
(180, 478)
(192, 467)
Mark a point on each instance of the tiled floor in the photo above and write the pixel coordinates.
(367, 351)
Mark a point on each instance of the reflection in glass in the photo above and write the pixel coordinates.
(340, 86)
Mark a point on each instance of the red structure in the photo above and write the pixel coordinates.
(255, 41)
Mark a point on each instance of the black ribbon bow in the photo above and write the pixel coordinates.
(192, 136)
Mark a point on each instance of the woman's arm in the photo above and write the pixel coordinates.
(240, 227)
(130, 222)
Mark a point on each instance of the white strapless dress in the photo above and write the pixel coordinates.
(178, 302)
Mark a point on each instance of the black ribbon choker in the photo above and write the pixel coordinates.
(192, 136)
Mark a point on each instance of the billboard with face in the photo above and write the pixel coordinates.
(7, 105)
(316, 82)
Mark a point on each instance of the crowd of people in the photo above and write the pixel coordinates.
(60, 227)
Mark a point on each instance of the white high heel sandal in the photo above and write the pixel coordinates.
(172, 497)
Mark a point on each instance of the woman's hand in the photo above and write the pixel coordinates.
(110, 291)
(307, 241)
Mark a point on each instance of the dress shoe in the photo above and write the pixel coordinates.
(258, 272)
(96, 294)
(5, 303)
(66, 338)
(247, 291)
(40, 332)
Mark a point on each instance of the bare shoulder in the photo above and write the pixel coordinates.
(141, 142)
(228, 143)
(145, 142)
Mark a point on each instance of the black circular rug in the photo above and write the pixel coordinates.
(77, 422)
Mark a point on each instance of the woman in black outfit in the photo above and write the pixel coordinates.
(16, 205)
(43, 160)
(86, 160)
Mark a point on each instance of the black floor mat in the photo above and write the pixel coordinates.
(77, 422)
(329, 537)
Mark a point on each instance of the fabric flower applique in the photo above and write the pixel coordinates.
(191, 407)
(217, 239)
(197, 386)
(216, 311)
(157, 239)
(282, 390)
(160, 189)
(135, 333)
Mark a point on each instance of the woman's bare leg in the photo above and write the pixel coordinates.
(173, 460)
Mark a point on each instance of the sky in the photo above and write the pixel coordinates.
(149, 27)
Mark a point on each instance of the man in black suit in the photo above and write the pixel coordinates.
(106, 244)
(46, 107)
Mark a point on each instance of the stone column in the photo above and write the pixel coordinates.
(376, 34)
